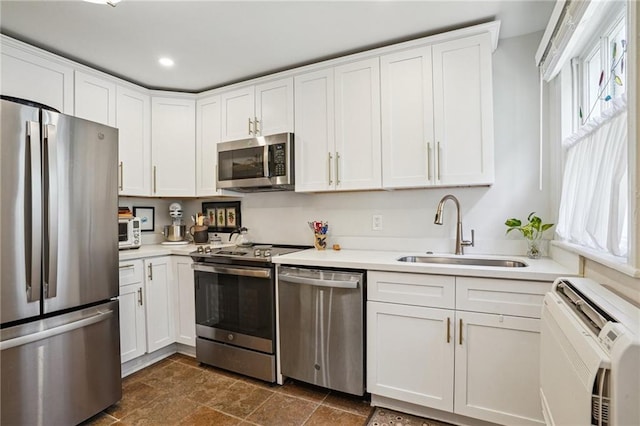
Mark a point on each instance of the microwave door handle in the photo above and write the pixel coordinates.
(51, 259)
(266, 161)
(33, 204)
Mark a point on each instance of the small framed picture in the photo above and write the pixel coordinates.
(147, 218)
(231, 217)
(220, 218)
(224, 216)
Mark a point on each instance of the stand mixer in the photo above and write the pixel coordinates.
(176, 232)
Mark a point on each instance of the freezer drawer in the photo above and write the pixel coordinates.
(322, 327)
(61, 370)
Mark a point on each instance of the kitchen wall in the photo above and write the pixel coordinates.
(161, 213)
(407, 215)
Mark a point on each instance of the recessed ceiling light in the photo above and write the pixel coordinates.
(166, 62)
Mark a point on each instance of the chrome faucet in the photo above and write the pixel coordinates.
(460, 242)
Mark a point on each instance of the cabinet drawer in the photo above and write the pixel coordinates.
(498, 296)
(436, 291)
(130, 272)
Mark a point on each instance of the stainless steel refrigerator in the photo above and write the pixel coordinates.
(60, 343)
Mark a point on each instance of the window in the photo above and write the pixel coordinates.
(593, 209)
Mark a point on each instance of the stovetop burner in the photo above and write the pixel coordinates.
(256, 253)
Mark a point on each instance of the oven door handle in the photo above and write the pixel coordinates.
(245, 272)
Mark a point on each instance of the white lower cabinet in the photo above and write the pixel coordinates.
(482, 365)
(133, 332)
(159, 301)
(403, 366)
(185, 305)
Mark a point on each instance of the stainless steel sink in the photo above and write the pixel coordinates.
(442, 260)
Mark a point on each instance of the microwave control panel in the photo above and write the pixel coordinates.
(279, 159)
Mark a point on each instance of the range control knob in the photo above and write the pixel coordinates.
(200, 249)
(207, 249)
(230, 336)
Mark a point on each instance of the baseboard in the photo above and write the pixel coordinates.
(146, 360)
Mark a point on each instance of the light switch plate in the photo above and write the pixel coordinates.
(376, 222)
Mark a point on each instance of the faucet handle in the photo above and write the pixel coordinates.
(472, 242)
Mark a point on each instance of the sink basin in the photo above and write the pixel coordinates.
(442, 260)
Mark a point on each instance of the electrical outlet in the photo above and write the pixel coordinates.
(376, 222)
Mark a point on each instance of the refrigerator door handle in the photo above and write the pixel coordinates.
(33, 206)
(51, 263)
(41, 335)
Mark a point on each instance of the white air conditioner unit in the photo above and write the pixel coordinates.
(589, 356)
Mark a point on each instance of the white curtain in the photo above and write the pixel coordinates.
(593, 206)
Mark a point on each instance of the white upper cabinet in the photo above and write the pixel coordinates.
(357, 121)
(29, 75)
(208, 131)
(133, 120)
(337, 121)
(463, 111)
(437, 114)
(314, 137)
(173, 147)
(95, 99)
(407, 118)
(257, 110)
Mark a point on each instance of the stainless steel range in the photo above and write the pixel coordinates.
(235, 308)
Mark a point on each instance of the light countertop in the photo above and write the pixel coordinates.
(153, 250)
(544, 269)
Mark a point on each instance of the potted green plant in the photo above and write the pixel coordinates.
(532, 232)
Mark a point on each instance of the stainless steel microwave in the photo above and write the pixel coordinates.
(263, 163)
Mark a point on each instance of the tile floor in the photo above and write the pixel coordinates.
(180, 391)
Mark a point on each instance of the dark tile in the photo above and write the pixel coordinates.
(303, 390)
(205, 416)
(327, 416)
(185, 359)
(240, 399)
(134, 395)
(175, 378)
(161, 411)
(281, 410)
(354, 404)
(206, 387)
(145, 372)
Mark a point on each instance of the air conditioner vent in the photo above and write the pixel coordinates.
(600, 399)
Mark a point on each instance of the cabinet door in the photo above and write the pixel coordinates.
(463, 111)
(95, 99)
(410, 354)
(159, 301)
(274, 107)
(357, 151)
(407, 119)
(238, 114)
(208, 133)
(497, 368)
(314, 123)
(185, 307)
(132, 327)
(30, 76)
(133, 120)
(173, 147)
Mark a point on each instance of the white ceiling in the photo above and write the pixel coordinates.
(215, 43)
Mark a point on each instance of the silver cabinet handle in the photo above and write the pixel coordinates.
(150, 268)
(428, 161)
(30, 338)
(438, 160)
(448, 329)
(154, 180)
(460, 336)
(121, 175)
(255, 126)
(329, 169)
(140, 296)
(33, 206)
(337, 168)
(50, 137)
(130, 265)
(249, 125)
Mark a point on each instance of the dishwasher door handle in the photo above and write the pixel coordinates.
(318, 282)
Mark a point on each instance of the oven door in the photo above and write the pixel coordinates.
(235, 305)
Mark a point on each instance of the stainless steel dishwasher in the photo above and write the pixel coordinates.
(321, 316)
